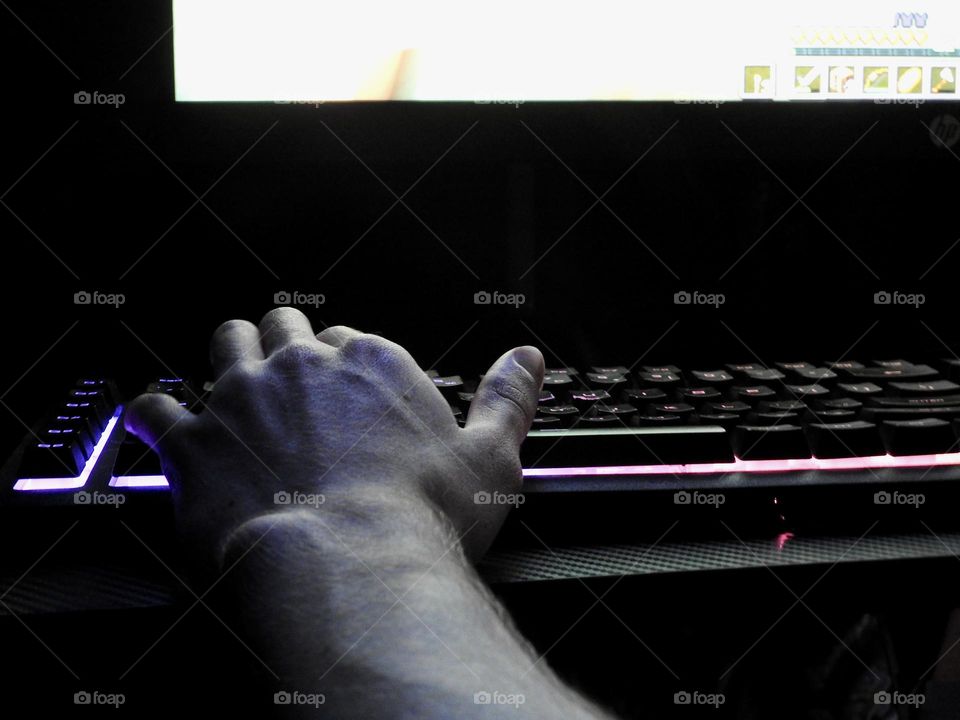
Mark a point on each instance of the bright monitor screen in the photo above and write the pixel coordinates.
(529, 50)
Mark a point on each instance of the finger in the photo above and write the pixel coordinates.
(336, 335)
(284, 326)
(507, 396)
(233, 343)
(152, 416)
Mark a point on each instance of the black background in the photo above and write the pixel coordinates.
(292, 210)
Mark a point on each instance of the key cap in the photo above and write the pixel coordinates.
(56, 459)
(766, 376)
(625, 446)
(833, 416)
(611, 370)
(923, 387)
(741, 369)
(912, 402)
(726, 420)
(449, 385)
(896, 364)
(69, 435)
(557, 380)
(884, 375)
(97, 398)
(623, 411)
(943, 412)
(753, 393)
(792, 367)
(716, 378)
(841, 365)
(606, 381)
(732, 407)
(816, 375)
(546, 397)
(759, 442)
(85, 410)
(918, 437)
(772, 418)
(808, 392)
(583, 400)
(682, 410)
(545, 422)
(566, 415)
(598, 420)
(860, 389)
(658, 379)
(698, 396)
(845, 439)
(840, 404)
(641, 397)
(568, 371)
(790, 406)
(107, 386)
(645, 420)
(667, 369)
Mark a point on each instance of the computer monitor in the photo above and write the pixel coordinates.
(685, 51)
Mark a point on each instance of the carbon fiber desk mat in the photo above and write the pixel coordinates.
(562, 563)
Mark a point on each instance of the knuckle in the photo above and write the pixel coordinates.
(372, 350)
(278, 314)
(231, 326)
(296, 355)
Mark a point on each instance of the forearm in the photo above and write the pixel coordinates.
(371, 602)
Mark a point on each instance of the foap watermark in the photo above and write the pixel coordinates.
(99, 98)
(895, 297)
(496, 697)
(685, 497)
(298, 498)
(686, 297)
(96, 297)
(885, 697)
(96, 697)
(695, 697)
(314, 103)
(295, 697)
(884, 497)
(715, 103)
(98, 498)
(516, 103)
(484, 297)
(295, 297)
(945, 131)
(498, 498)
(916, 102)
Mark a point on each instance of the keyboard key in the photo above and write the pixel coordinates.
(583, 400)
(726, 420)
(790, 406)
(566, 415)
(657, 420)
(808, 392)
(85, 410)
(557, 380)
(606, 381)
(641, 397)
(943, 412)
(888, 374)
(840, 404)
(773, 418)
(793, 367)
(667, 369)
(658, 379)
(741, 369)
(70, 435)
(913, 402)
(845, 439)
(698, 396)
(761, 442)
(815, 375)
(449, 385)
(896, 364)
(924, 387)
(841, 365)
(918, 437)
(624, 411)
(683, 410)
(860, 389)
(56, 459)
(625, 446)
(611, 370)
(766, 376)
(754, 393)
(716, 378)
(733, 407)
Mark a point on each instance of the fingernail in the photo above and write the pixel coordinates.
(530, 359)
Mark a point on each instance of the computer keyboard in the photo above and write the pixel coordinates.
(743, 430)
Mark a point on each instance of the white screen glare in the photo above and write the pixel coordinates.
(498, 51)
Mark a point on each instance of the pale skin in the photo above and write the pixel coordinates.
(365, 589)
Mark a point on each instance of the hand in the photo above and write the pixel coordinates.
(341, 417)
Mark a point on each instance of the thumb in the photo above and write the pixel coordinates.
(152, 416)
(507, 396)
